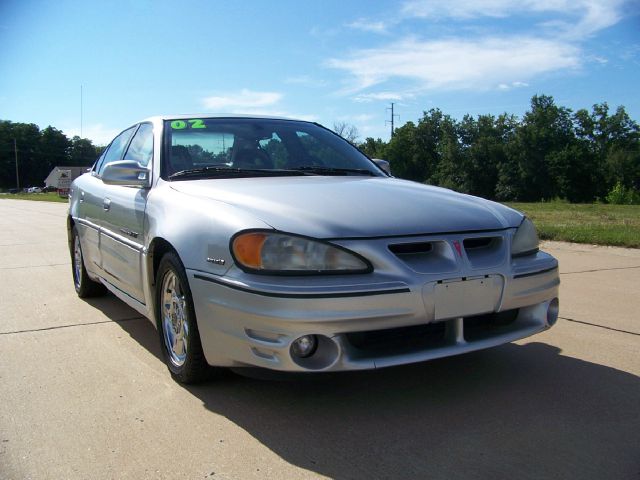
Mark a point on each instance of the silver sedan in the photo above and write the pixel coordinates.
(274, 243)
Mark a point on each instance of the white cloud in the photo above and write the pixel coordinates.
(97, 133)
(380, 96)
(359, 118)
(241, 100)
(248, 102)
(553, 41)
(274, 112)
(368, 26)
(505, 86)
(478, 64)
(305, 80)
(585, 17)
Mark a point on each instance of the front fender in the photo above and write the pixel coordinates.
(198, 228)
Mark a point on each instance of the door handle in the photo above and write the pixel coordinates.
(106, 204)
(81, 196)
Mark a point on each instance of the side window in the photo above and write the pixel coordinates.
(98, 165)
(141, 147)
(116, 149)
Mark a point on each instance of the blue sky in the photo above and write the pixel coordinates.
(329, 61)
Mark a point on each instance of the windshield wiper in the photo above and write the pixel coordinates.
(217, 171)
(336, 171)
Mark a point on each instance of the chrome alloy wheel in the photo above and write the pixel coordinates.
(77, 262)
(175, 327)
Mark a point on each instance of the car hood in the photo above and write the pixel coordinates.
(341, 207)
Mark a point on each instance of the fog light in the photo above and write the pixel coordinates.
(304, 346)
(552, 312)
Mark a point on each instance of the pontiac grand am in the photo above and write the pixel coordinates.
(275, 243)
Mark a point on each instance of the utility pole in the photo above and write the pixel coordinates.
(15, 151)
(80, 111)
(392, 118)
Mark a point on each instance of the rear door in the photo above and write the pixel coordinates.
(90, 195)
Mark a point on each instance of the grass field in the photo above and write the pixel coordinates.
(585, 223)
(38, 197)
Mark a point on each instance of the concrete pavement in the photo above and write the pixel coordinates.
(84, 394)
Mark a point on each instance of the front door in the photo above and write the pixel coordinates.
(123, 222)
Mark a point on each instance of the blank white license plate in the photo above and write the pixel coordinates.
(467, 297)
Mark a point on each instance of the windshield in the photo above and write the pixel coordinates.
(208, 147)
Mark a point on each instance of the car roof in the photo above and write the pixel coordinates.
(183, 116)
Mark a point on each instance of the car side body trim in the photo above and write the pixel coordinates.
(109, 233)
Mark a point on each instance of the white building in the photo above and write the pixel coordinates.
(54, 176)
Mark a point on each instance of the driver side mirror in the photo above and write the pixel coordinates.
(383, 164)
(127, 173)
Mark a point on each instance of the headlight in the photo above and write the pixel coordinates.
(270, 252)
(525, 241)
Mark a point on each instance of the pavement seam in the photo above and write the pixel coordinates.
(600, 326)
(35, 266)
(600, 270)
(139, 317)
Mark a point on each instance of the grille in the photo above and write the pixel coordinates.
(397, 340)
(415, 338)
(411, 248)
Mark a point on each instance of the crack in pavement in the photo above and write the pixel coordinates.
(139, 317)
(36, 266)
(600, 270)
(599, 326)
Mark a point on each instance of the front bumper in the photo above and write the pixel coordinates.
(244, 324)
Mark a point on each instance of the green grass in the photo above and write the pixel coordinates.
(585, 223)
(38, 197)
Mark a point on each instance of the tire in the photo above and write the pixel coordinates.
(177, 325)
(85, 287)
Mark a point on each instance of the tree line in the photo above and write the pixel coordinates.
(39, 151)
(552, 152)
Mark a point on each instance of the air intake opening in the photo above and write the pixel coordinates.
(411, 248)
(480, 242)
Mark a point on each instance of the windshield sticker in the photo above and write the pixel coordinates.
(193, 123)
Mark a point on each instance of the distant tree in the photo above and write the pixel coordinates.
(82, 152)
(427, 137)
(509, 181)
(551, 152)
(452, 169)
(38, 152)
(486, 138)
(347, 131)
(374, 148)
(54, 150)
(545, 129)
(27, 140)
(401, 152)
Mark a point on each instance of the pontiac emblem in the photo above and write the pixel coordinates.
(456, 244)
